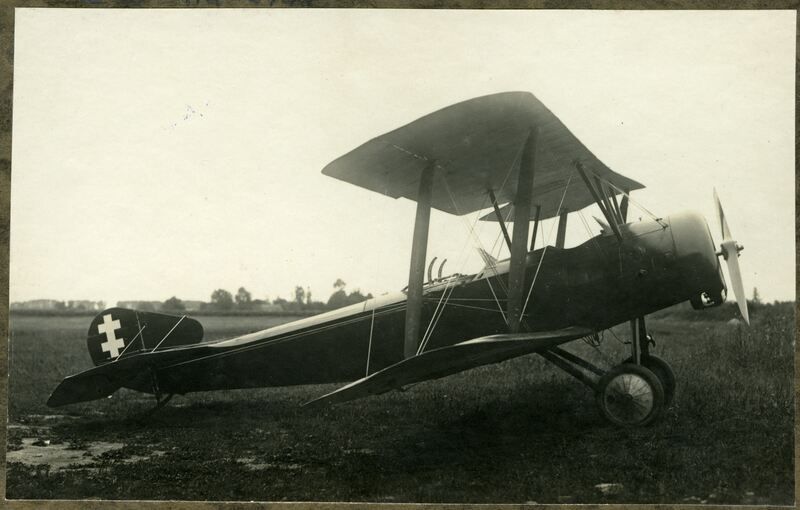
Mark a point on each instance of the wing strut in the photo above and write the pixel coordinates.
(561, 233)
(522, 214)
(535, 226)
(500, 218)
(599, 201)
(416, 272)
(614, 203)
(623, 207)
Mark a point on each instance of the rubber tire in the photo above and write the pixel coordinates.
(649, 377)
(664, 372)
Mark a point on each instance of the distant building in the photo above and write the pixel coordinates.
(38, 304)
(265, 307)
(143, 306)
(193, 305)
(83, 304)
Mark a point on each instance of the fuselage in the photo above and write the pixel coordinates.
(597, 284)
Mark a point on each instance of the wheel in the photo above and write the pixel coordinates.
(630, 396)
(663, 371)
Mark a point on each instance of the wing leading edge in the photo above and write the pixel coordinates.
(449, 360)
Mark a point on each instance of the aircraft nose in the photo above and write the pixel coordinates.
(696, 255)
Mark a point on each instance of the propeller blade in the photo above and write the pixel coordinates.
(726, 232)
(730, 251)
(735, 274)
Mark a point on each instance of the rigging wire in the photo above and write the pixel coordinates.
(589, 231)
(631, 200)
(448, 291)
(393, 309)
(477, 239)
(256, 344)
(450, 286)
(493, 267)
(541, 259)
(369, 346)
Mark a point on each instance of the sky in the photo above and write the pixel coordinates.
(174, 152)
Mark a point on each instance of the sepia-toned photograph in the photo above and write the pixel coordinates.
(402, 256)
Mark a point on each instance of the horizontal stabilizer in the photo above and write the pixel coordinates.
(450, 360)
(134, 371)
(82, 387)
(476, 145)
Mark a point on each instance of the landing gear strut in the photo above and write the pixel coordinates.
(161, 400)
(634, 393)
(663, 371)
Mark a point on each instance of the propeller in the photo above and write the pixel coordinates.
(729, 249)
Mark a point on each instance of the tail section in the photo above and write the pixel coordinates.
(115, 335)
(119, 331)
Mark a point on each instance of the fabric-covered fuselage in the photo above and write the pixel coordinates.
(597, 284)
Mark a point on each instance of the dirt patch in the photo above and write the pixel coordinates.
(35, 452)
(58, 456)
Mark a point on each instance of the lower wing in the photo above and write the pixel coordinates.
(449, 360)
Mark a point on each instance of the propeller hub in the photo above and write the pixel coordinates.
(727, 247)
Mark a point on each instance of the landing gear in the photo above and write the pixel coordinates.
(630, 396)
(640, 355)
(663, 371)
(161, 400)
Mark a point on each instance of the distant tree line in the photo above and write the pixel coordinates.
(74, 306)
(725, 312)
(222, 300)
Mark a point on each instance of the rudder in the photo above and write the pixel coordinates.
(117, 331)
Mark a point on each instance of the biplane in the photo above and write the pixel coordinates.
(503, 153)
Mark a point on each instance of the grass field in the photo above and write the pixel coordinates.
(516, 432)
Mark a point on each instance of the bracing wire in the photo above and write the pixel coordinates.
(544, 252)
(494, 268)
(444, 298)
(437, 314)
(476, 238)
(630, 199)
(255, 345)
(589, 231)
(448, 290)
(369, 346)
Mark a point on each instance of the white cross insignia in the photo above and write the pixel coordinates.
(112, 345)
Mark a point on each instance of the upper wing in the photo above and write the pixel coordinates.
(477, 144)
(449, 360)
